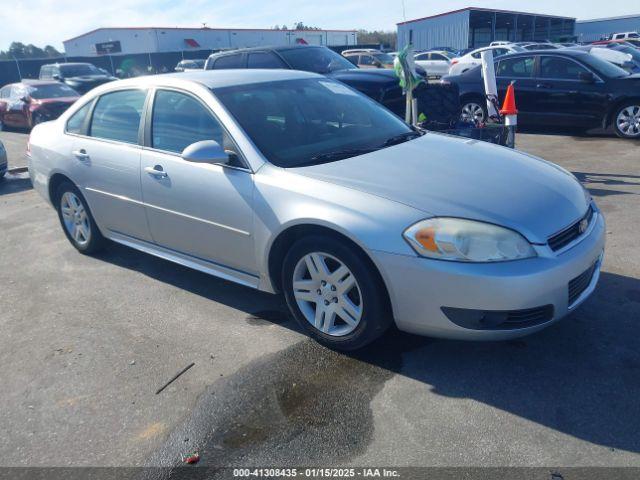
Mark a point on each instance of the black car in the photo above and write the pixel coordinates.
(380, 84)
(566, 88)
(82, 77)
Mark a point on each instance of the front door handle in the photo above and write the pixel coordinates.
(81, 154)
(543, 85)
(156, 171)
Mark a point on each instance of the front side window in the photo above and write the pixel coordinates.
(75, 124)
(315, 59)
(178, 120)
(367, 60)
(309, 121)
(79, 70)
(521, 67)
(264, 60)
(560, 68)
(117, 116)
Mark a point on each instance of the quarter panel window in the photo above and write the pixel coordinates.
(560, 68)
(521, 67)
(75, 124)
(179, 120)
(117, 116)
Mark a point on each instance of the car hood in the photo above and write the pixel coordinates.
(447, 176)
(90, 79)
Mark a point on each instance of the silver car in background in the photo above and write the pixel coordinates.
(290, 182)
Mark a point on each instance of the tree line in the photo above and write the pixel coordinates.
(20, 50)
(365, 37)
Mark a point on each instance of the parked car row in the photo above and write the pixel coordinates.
(563, 87)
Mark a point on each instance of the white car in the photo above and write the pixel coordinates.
(624, 35)
(436, 63)
(467, 62)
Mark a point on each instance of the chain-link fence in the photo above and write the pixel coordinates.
(118, 65)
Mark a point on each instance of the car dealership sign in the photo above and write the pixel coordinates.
(105, 48)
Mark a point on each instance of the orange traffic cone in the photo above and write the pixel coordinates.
(509, 105)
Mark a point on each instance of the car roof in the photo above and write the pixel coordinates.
(220, 78)
(565, 52)
(280, 48)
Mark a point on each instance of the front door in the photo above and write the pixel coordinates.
(520, 70)
(199, 209)
(564, 98)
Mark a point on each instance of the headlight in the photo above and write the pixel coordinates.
(467, 241)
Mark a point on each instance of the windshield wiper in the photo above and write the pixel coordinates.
(336, 155)
(403, 137)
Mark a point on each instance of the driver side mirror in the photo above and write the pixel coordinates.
(587, 77)
(57, 77)
(25, 99)
(206, 151)
(378, 63)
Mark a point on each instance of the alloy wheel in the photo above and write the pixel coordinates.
(472, 112)
(327, 293)
(75, 218)
(628, 121)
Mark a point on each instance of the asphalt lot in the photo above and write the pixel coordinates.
(87, 341)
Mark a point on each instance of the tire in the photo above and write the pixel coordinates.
(470, 109)
(626, 120)
(76, 219)
(315, 305)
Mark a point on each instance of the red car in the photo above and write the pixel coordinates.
(25, 104)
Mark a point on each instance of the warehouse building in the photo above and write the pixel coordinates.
(134, 40)
(601, 28)
(476, 27)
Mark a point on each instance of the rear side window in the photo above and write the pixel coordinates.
(521, 67)
(560, 68)
(179, 120)
(264, 60)
(76, 123)
(228, 61)
(437, 56)
(117, 116)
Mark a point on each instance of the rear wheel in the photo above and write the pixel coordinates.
(333, 293)
(473, 111)
(626, 122)
(76, 219)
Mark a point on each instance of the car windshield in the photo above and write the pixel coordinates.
(79, 70)
(193, 64)
(304, 122)
(52, 90)
(316, 59)
(605, 68)
(383, 57)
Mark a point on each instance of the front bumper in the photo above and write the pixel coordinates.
(420, 287)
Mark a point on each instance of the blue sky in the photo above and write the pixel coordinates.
(52, 21)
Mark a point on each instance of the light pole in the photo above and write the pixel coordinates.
(17, 65)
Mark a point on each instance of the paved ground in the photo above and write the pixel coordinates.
(86, 342)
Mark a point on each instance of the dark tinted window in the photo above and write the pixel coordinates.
(315, 59)
(561, 68)
(422, 56)
(521, 67)
(78, 70)
(437, 56)
(229, 61)
(117, 116)
(76, 123)
(367, 60)
(180, 120)
(264, 60)
(54, 90)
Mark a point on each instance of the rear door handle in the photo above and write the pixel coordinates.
(156, 171)
(81, 154)
(543, 85)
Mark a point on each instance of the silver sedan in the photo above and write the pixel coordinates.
(290, 182)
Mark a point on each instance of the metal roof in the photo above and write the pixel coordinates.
(623, 17)
(483, 10)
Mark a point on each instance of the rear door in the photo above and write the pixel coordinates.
(565, 99)
(199, 209)
(107, 155)
(519, 69)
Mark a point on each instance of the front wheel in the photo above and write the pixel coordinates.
(473, 111)
(334, 293)
(627, 120)
(77, 222)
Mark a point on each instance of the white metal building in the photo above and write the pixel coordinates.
(135, 40)
(476, 27)
(599, 28)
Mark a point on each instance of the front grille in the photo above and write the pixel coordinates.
(579, 284)
(498, 319)
(569, 234)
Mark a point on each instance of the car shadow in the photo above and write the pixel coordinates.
(589, 179)
(580, 376)
(15, 183)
